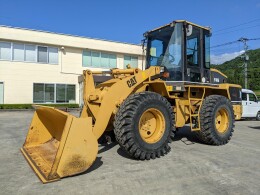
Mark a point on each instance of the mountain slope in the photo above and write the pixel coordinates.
(234, 69)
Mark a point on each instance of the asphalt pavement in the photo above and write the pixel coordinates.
(190, 167)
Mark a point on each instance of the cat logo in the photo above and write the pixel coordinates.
(131, 82)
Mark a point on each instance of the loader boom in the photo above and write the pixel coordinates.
(102, 102)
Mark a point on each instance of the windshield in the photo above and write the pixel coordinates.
(165, 49)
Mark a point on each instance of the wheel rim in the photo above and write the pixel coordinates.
(222, 120)
(152, 125)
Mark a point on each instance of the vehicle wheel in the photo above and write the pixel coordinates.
(258, 116)
(144, 125)
(216, 120)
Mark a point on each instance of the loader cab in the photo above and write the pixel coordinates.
(182, 48)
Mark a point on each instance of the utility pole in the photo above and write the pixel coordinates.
(246, 57)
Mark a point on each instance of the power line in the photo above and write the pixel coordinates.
(254, 39)
(228, 48)
(236, 30)
(232, 42)
(237, 25)
(224, 44)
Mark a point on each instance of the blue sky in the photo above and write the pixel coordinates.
(126, 21)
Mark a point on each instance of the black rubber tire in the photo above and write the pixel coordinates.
(258, 116)
(208, 133)
(126, 125)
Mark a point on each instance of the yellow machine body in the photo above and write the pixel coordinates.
(59, 144)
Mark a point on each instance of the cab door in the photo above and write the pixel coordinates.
(253, 106)
(197, 62)
(193, 64)
(245, 105)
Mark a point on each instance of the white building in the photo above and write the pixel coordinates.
(43, 67)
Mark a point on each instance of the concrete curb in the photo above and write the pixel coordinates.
(29, 110)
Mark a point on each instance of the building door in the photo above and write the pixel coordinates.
(1, 92)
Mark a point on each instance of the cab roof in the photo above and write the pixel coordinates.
(247, 91)
(180, 21)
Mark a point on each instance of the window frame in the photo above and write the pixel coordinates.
(100, 54)
(57, 55)
(65, 92)
(44, 102)
(55, 93)
(36, 53)
(131, 56)
(243, 93)
(254, 97)
(11, 53)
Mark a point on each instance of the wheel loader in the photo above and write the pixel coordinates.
(143, 108)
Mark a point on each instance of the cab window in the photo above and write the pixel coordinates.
(192, 47)
(244, 96)
(252, 97)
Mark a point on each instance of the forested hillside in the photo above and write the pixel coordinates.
(234, 69)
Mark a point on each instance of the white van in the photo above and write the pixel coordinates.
(251, 105)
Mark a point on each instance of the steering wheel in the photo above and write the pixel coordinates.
(171, 57)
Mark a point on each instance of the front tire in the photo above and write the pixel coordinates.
(144, 125)
(216, 120)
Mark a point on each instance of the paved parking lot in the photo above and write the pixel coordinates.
(190, 168)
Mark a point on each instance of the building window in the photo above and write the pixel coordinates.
(5, 51)
(54, 93)
(49, 93)
(38, 93)
(53, 55)
(98, 59)
(30, 53)
(43, 93)
(18, 52)
(65, 93)
(133, 61)
(42, 54)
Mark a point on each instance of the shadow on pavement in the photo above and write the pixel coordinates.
(122, 153)
(107, 147)
(257, 127)
(97, 163)
(185, 135)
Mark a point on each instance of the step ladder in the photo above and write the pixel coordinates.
(194, 109)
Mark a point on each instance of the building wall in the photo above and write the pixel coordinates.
(18, 77)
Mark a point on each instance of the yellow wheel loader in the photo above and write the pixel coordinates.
(143, 107)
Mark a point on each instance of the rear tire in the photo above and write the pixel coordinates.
(216, 120)
(144, 125)
(258, 116)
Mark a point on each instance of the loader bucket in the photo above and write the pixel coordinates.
(59, 144)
